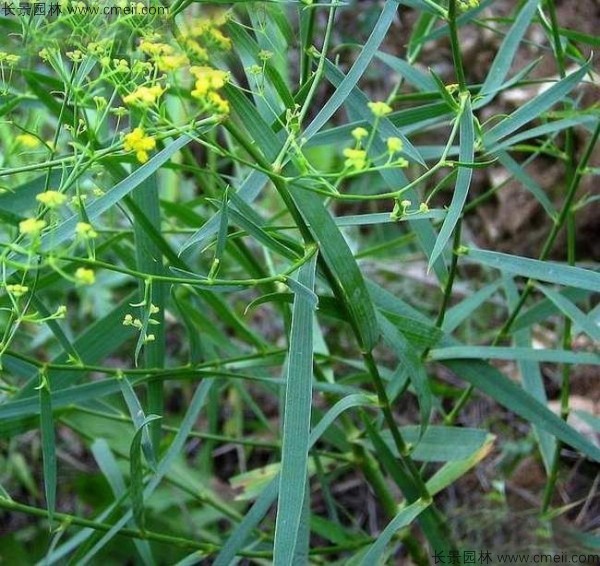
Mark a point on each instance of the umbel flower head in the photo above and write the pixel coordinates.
(144, 95)
(17, 290)
(355, 158)
(359, 133)
(208, 82)
(31, 226)
(85, 231)
(380, 109)
(85, 276)
(51, 199)
(139, 142)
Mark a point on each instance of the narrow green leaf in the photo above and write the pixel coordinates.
(463, 181)
(504, 58)
(407, 71)
(138, 417)
(405, 517)
(416, 370)
(534, 107)
(48, 447)
(293, 478)
(527, 181)
(548, 271)
(341, 262)
(439, 443)
(570, 310)
(149, 259)
(136, 472)
(455, 469)
(508, 353)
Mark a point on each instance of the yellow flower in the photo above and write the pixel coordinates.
(85, 230)
(155, 49)
(31, 226)
(9, 58)
(85, 276)
(139, 142)
(380, 109)
(17, 290)
(28, 140)
(423, 207)
(394, 145)
(51, 199)
(144, 95)
(356, 158)
(207, 79)
(167, 63)
(359, 133)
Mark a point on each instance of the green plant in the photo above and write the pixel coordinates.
(178, 268)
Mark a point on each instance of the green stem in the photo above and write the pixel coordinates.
(455, 46)
(305, 61)
(451, 275)
(67, 519)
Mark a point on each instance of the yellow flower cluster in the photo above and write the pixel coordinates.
(355, 158)
(85, 276)
(51, 199)
(359, 133)
(208, 82)
(380, 109)
(139, 142)
(144, 95)
(164, 55)
(17, 290)
(85, 231)
(9, 58)
(208, 30)
(394, 145)
(31, 226)
(167, 63)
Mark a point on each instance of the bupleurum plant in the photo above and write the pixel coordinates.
(245, 310)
